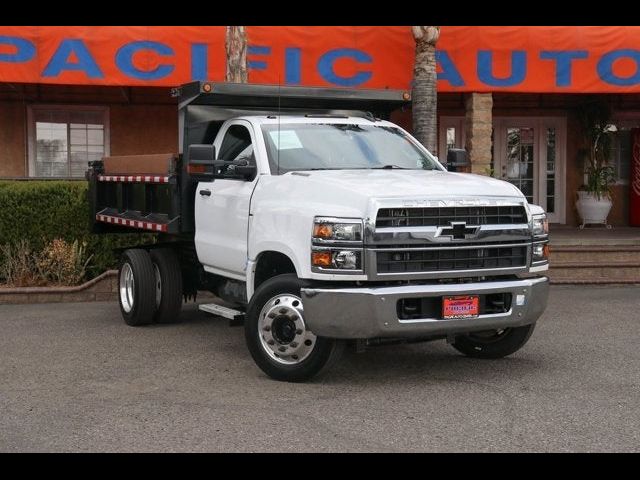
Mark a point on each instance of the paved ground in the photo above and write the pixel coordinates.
(75, 378)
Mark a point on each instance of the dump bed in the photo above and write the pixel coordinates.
(135, 192)
(155, 192)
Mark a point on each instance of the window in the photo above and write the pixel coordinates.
(620, 155)
(236, 144)
(62, 140)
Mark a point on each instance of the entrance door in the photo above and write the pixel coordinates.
(530, 153)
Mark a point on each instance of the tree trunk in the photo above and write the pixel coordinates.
(236, 45)
(424, 95)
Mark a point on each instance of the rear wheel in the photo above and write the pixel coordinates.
(277, 336)
(136, 287)
(168, 285)
(493, 343)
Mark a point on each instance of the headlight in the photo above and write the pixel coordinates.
(336, 230)
(540, 252)
(540, 225)
(337, 245)
(323, 259)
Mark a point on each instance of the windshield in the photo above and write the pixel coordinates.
(332, 146)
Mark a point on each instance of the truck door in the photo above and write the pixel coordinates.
(222, 207)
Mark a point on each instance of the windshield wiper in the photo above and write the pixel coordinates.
(315, 169)
(390, 167)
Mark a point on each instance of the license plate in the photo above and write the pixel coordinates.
(460, 307)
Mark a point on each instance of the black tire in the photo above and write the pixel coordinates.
(168, 310)
(141, 306)
(325, 352)
(485, 345)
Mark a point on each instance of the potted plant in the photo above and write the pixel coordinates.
(594, 197)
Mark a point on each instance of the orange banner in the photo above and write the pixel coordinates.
(480, 59)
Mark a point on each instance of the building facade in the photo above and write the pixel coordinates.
(512, 96)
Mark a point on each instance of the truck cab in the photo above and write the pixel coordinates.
(318, 224)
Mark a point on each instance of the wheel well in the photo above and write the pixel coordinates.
(269, 265)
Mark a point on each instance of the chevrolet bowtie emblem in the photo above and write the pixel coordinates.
(457, 231)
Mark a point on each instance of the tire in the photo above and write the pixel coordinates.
(136, 288)
(169, 287)
(485, 345)
(306, 355)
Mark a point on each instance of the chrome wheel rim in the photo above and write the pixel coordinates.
(156, 271)
(282, 331)
(127, 288)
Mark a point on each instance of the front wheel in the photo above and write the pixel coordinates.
(494, 343)
(277, 336)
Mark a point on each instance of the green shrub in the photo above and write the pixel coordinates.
(41, 211)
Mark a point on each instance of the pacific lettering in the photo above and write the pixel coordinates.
(25, 50)
(257, 50)
(199, 62)
(327, 61)
(60, 61)
(124, 60)
(292, 66)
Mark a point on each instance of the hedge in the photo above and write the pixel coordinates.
(46, 209)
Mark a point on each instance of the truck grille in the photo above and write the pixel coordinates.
(443, 216)
(405, 261)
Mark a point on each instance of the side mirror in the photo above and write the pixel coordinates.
(457, 160)
(201, 161)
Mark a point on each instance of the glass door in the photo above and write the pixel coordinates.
(530, 153)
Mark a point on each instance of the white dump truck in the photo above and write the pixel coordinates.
(316, 223)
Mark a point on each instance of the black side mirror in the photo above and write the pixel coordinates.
(201, 159)
(457, 160)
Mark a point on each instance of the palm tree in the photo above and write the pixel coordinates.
(236, 47)
(424, 94)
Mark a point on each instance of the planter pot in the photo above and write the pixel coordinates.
(592, 210)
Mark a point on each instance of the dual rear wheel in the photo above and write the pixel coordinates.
(150, 286)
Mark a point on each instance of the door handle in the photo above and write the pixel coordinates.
(205, 193)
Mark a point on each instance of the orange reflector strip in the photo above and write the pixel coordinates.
(322, 231)
(545, 251)
(196, 168)
(321, 259)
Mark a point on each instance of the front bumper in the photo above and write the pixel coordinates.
(372, 312)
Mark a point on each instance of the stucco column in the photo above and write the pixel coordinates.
(478, 124)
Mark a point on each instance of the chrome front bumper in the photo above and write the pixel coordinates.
(372, 312)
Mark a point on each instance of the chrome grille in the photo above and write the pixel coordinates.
(443, 216)
(450, 259)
